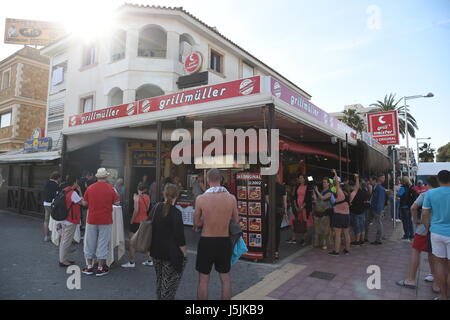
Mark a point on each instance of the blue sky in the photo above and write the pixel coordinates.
(326, 47)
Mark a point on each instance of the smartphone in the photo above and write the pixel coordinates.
(310, 179)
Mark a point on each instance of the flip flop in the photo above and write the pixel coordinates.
(402, 283)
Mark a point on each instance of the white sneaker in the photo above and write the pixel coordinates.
(429, 278)
(398, 220)
(129, 265)
(46, 239)
(148, 263)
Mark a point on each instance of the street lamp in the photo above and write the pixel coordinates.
(417, 141)
(429, 95)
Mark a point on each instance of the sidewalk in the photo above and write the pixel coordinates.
(349, 277)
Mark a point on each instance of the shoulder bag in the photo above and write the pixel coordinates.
(142, 239)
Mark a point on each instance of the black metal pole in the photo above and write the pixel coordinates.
(63, 160)
(158, 160)
(272, 190)
(340, 158)
(348, 160)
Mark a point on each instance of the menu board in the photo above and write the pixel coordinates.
(187, 211)
(250, 196)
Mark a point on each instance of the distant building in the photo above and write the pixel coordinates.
(360, 109)
(23, 96)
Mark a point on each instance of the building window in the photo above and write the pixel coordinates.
(89, 55)
(115, 97)
(148, 91)
(118, 43)
(247, 70)
(58, 73)
(5, 120)
(5, 80)
(216, 62)
(186, 44)
(87, 104)
(152, 42)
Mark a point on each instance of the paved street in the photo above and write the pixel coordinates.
(294, 281)
(29, 270)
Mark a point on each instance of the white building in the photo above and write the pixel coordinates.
(142, 58)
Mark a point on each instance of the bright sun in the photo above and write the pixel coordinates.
(98, 22)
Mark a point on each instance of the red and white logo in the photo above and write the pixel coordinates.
(193, 62)
(384, 127)
(246, 87)
(146, 105)
(131, 109)
(73, 121)
(277, 89)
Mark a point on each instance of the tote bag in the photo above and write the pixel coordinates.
(142, 239)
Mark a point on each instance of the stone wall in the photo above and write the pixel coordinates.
(29, 118)
(34, 84)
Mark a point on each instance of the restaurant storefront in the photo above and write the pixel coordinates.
(135, 139)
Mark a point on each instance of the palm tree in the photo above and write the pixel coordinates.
(388, 104)
(353, 120)
(426, 153)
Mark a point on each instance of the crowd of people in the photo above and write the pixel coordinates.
(328, 211)
(215, 209)
(331, 208)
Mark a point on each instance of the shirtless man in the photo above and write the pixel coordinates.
(213, 212)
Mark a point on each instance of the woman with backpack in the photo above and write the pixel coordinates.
(340, 221)
(405, 212)
(358, 220)
(322, 214)
(141, 205)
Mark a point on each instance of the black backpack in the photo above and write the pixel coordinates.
(59, 208)
(412, 196)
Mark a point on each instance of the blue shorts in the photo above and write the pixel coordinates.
(358, 222)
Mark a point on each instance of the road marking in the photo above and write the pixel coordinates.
(270, 282)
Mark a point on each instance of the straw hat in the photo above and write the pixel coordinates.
(102, 173)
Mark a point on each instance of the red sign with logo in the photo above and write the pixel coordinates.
(193, 62)
(233, 89)
(384, 127)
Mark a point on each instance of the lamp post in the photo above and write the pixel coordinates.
(429, 95)
(417, 142)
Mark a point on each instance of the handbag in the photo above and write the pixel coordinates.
(142, 239)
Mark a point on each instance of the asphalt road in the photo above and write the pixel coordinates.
(29, 270)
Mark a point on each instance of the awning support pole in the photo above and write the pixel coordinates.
(63, 161)
(340, 158)
(158, 160)
(348, 159)
(272, 191)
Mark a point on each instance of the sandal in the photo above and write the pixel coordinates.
(402, 283)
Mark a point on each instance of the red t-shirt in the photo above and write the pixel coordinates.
(100, 197)
(75, 209)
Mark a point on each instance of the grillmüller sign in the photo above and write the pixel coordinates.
(384, 127)
(238, 88)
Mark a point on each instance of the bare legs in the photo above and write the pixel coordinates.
(203, 281)
(441, 277)
(337, 239)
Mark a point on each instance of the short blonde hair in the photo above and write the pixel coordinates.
(406, 181)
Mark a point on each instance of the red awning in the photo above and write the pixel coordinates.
(284, 145)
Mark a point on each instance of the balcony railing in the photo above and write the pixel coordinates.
(153, 53)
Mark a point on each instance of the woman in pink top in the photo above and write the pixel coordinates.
(301, 201)
(340, 221)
